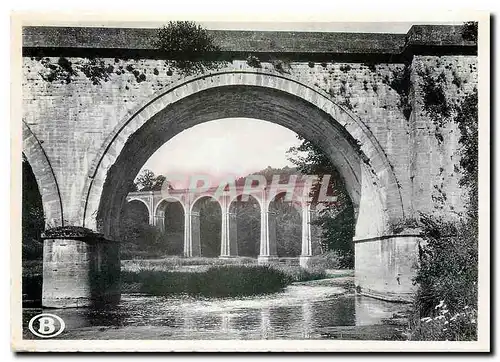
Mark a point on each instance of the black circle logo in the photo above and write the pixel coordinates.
(46, 325)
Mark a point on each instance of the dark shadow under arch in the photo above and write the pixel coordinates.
(248, 214)
(170, 219)
(210, 217)
(288, 225)
(45, 178)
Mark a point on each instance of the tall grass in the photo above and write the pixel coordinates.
(298, 274)
(220, 281)
(331, 259)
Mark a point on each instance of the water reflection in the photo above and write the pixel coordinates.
(300, 312)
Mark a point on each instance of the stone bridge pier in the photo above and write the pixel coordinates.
(361, 98)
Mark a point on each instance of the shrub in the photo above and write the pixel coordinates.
(345, 68)
(281, 66)
(188, 45)
(253, 62)
(371, 66)
(96, 70)
(221, 281)
(32, 249)
(329, 260)
(297, 274)
(448, 266)
(63, 70)
(460, 325)
(141, 240)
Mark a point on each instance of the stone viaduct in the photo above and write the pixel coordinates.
(295, 192)
(98, 102)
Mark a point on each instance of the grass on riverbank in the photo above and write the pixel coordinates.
(215, 281)
(198, 277)
(222, 281)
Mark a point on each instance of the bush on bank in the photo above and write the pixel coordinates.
(446, 302)
(445, 306)
(221, 281)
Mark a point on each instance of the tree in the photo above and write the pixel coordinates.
(187, 43)
(158, 183)
(145, 180)
(148, 181)
(336, 219)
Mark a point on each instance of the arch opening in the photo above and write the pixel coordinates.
(41, 169)
(350, 146)
(138, 237)
(33, 216)
(288, 221)
(33, 224)
(170, 221)
(209, 213)
(247, 211)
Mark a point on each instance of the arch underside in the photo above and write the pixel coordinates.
(141, 201)
(44, 175)
(198, 202)
(232, 101)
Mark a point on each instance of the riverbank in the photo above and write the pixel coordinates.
(210, 277)
(216, 281)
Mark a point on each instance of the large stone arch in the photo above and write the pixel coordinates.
(45, 178)
(310, 112)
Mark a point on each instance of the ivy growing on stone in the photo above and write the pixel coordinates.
(345, 68)
(253, 61)
(188, 46)
(64, 70)
(435, 102)
(96, 70)
(467, 120)
(281, 66)
(401, 83)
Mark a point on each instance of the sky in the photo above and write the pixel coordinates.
(236, 146)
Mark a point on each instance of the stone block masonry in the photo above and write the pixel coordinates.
(96, 107)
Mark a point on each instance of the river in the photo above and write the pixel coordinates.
(312, 310)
